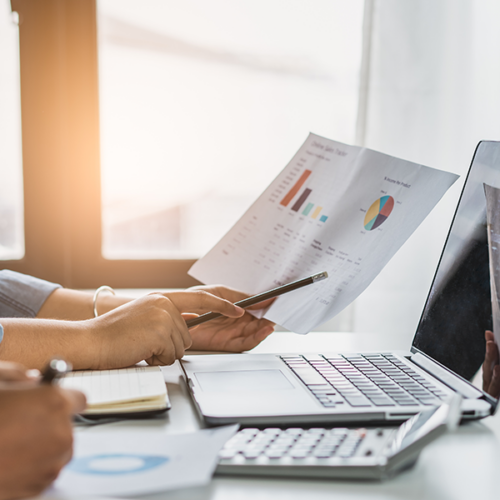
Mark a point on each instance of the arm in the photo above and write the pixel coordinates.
(67, 304)
(224, 334)
(150, 328)
(49, 301)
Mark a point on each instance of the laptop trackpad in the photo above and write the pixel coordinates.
(243, 381)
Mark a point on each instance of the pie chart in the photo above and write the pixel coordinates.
(379, 212)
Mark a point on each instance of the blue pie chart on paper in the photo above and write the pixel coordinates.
(115, 464)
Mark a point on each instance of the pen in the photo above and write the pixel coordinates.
(261, 297)
(55, 369)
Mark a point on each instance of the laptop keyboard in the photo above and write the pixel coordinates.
(295, 443)
(363, 380)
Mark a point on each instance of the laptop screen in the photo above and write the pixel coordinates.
(458, 308)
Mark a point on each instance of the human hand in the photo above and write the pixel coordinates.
(15, 372)
(151, 328)
(231, 334)
(491, 367)
(35, 436)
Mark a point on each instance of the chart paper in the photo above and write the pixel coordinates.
(140, 462)
(336, 208)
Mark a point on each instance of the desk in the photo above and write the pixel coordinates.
(462, 465)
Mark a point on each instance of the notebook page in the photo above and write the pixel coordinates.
(122, 385)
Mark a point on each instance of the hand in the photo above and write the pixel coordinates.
(491, 368)
(231, 334)
(151, 328)
(35, 436)
(14, 372)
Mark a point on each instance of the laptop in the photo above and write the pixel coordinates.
(447, 350)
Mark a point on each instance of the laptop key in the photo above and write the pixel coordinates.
(357, 401)
(429, 400)
(377, 401)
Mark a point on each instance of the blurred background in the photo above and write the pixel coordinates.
(201, 104)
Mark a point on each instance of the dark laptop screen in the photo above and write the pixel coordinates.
(458, 308)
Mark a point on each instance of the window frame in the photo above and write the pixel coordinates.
(61, 155)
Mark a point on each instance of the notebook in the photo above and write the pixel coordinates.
(135, 390)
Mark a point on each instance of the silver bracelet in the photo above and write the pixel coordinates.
(103, 288)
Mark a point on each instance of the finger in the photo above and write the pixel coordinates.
(186, 317)
(494, 358)
(181, 337)
(254, 340)
(494, 389)
(13, 372)
(251, 335)
(262, 305)
(170, 315)
(76, 399)
(222, 291)
(488, 335)
(488, 364)
(178, 344)
(235, 296)
(200, 302)
(34, 374)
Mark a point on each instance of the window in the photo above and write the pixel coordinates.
(11, 179)
(202, 105)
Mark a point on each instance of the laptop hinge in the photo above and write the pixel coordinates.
(460, 386)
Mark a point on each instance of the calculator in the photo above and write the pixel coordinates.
(336, 452)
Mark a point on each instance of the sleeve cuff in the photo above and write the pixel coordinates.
(22, 296)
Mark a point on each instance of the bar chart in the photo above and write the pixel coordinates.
(303, 197)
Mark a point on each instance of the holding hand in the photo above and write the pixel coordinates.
(491, 367)
(230, 334)
(151, 328)
(35, 433)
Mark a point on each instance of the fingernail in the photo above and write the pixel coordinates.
(239, 309)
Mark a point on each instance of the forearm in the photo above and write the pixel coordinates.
(73, 305)
(33, 342)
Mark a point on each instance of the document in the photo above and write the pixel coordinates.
(124, 390)
(139, 462)
(336, 208)
(493, 230)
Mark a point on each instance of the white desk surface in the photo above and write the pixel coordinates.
(462, 465)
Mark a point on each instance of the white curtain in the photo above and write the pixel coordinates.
(430, 91)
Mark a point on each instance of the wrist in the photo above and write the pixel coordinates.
(84, 353)
(107, 302)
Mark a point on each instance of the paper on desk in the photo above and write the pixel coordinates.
(493, 225)
(138, 463)
(336, 208)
